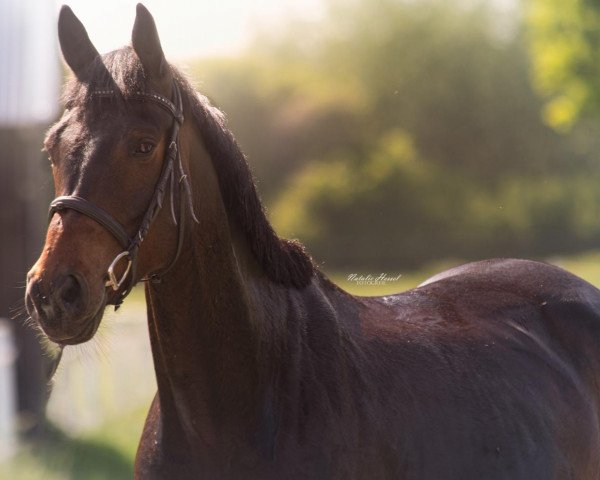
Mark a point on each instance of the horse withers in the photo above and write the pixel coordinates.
(266, 369)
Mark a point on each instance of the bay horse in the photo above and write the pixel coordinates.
(266, 369)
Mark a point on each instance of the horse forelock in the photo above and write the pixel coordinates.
(119, 70)
(284, 261)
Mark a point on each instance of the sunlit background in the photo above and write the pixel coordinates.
(390, 136)
(190, 30)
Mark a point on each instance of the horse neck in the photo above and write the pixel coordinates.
(237, 357)
(204, 346)
(214, 322)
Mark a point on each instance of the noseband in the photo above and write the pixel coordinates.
(172, 171)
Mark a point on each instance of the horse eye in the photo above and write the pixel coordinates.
(144, 148)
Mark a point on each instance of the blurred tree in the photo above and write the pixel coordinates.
(392, 208)
(282, 111)
(389, 208)
(439, 72)
(565, 48)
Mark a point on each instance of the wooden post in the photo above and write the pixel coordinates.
(8, 437)
(24, 194)
(29, 86)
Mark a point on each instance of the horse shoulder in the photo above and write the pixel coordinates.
(153, 461)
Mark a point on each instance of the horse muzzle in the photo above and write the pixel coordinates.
(61, 307)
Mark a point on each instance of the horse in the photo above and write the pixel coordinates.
(266, 369)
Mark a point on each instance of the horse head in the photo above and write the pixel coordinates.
(114, 161)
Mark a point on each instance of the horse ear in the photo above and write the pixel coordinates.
(146, 44)
(75, 44)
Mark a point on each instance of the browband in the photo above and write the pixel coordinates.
(156, 98)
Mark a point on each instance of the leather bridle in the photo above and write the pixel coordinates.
(172, 171)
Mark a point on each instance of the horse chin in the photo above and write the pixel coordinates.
(88, 328)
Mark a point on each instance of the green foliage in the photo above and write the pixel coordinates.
(60, 457)
(104, 454)
(281, 112)
(384, 209)
(565, 47)
(439, 71)
(392, 209)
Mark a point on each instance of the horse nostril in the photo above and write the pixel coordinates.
(36, 301)
(70, 290)
(70, 293)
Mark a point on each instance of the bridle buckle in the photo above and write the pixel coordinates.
(112, 279)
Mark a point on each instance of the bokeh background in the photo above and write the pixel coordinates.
(390, 136)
